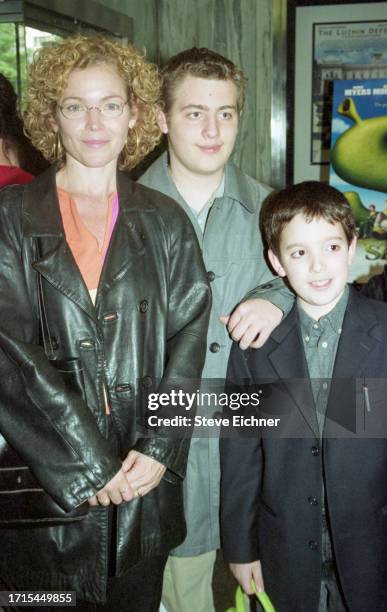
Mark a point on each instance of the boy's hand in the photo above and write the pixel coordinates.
(245, 572)
(252, 322)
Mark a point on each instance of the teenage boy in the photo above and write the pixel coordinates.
(304, 513)
(203, 95)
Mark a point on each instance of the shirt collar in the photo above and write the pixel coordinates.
(237, 188)
(333, 319)
(235, 185)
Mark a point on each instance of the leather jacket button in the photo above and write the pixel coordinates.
(312, 501)
(147, 382)
(87, 343)
(214, 347)
(211, 275)
(143, 306)
(315, 451)
(123, 388)
(313, 545)
(109, 317)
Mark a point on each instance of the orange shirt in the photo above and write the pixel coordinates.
(83, 244)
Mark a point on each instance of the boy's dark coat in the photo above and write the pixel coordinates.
(272, 487)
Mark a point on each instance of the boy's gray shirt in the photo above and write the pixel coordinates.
(233, 255)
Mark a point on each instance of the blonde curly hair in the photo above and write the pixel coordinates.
(48, 78)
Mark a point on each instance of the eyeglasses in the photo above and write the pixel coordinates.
(77, 110)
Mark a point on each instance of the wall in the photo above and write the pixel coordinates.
(144, 15)
(238, 29)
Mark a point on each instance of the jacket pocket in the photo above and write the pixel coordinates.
(71, 371)
(22, 499)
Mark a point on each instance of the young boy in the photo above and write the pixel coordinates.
(303, 512)
(202, 98)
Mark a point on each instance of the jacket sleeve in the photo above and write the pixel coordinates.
(50, 428)
(274, 291)
(189, 305)
(241, 469)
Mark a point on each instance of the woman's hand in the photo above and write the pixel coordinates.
(142, 472)
(115, 491)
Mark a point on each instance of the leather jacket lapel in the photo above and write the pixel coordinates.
(42, 222)
(58, 267)
(127, 241)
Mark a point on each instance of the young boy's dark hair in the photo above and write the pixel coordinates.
(202, 63)
(310, 198)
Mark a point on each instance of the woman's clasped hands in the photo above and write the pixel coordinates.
(138, 475)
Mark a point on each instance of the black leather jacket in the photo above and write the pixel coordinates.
(149, 321)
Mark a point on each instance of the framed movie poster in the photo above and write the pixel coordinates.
(358, 165)
(345, 41)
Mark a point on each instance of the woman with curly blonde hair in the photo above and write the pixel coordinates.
(105, 294)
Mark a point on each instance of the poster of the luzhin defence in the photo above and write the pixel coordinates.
(359, 165)
(347, 50)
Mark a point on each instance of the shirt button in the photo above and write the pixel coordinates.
(307, 338)
(315, 451)
(214, 347)
(325, 386)
(211, 275)
(143, 306)
(324, 344)
(315, 325)
(312, 544)
(313, 500)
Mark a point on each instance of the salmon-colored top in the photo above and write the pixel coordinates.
(83, 244)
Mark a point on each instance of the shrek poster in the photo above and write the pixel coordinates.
(359, 166)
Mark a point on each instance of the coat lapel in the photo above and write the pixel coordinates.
(289, 363)
(356, 343)
(353, 355)
(126, 244)
(42, 222)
